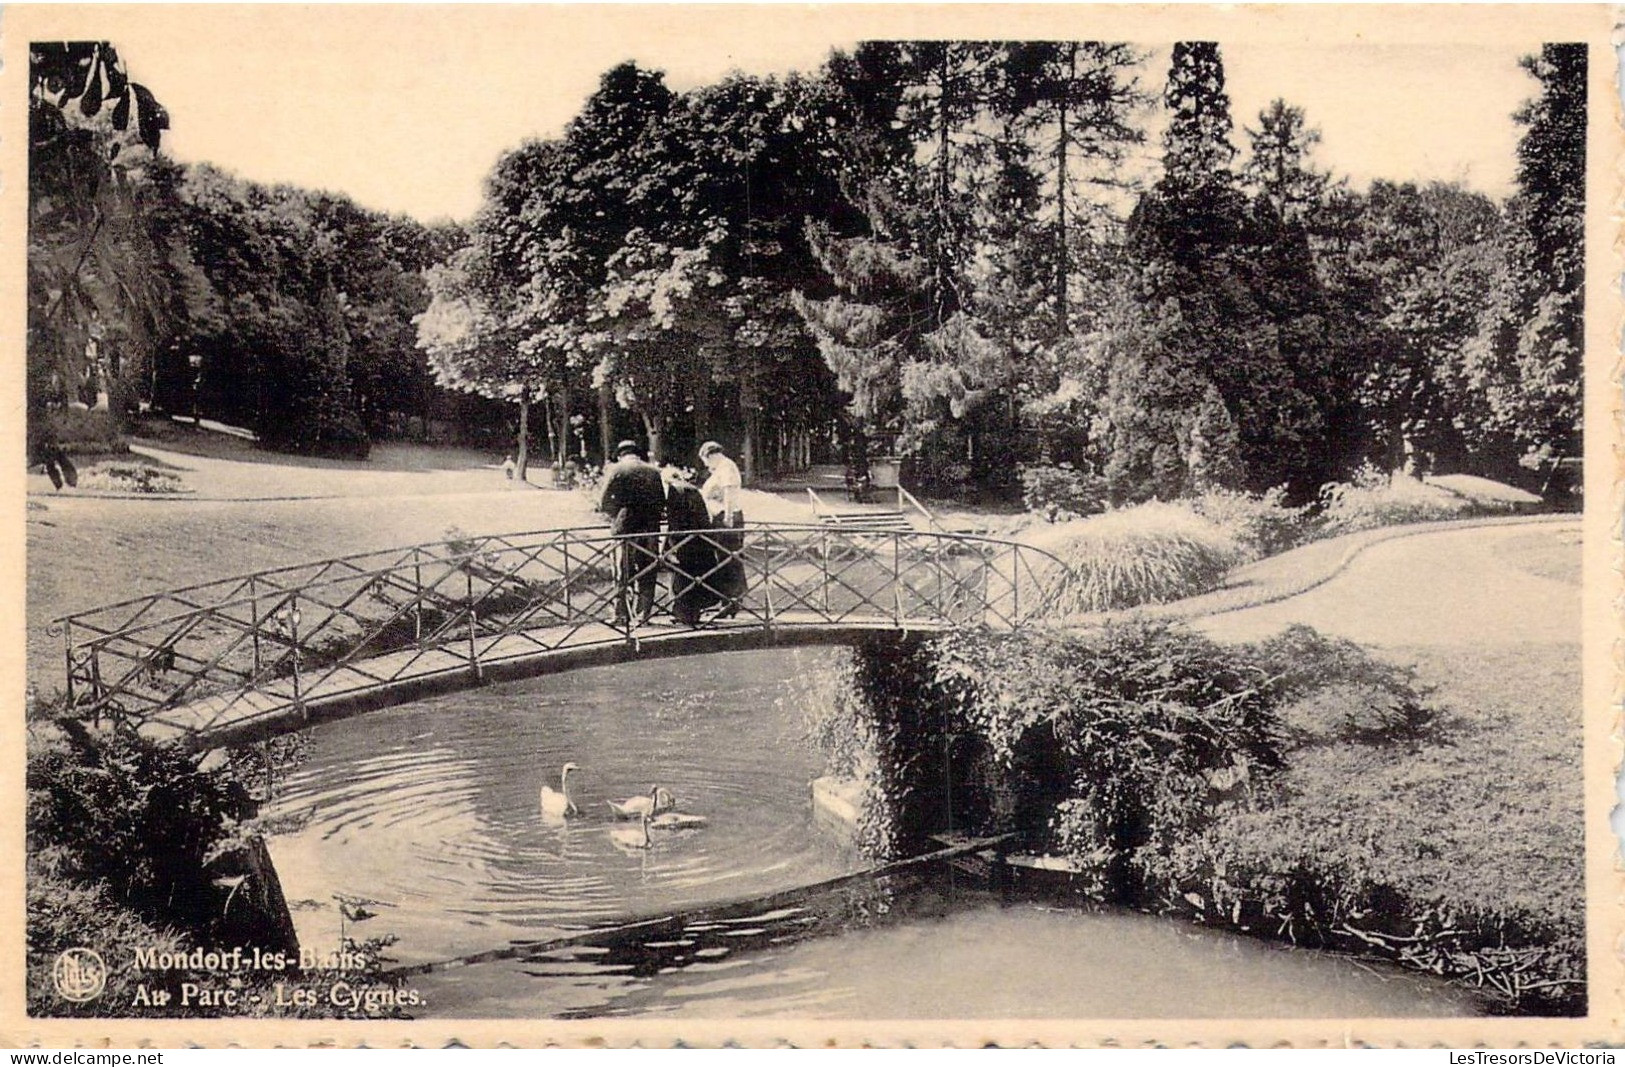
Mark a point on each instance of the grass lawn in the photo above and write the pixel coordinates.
(1477, 814)
(84, 551)
(1486, 807)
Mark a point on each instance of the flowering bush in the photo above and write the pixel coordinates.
(589, 482)
(130, 478)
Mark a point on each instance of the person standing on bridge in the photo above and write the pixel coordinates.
(691, 556)
(634, 498)
(722, 491)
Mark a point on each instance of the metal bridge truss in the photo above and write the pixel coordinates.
(257, 654)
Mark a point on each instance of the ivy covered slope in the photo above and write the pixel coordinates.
(1296, 788)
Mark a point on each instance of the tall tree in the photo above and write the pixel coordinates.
(897, 333)
(979, 170)
(1418, 266)
(1278, 167)
(278, 356)
(1054, 207)
(1209, 358)
(1530, 358)
(472, 338)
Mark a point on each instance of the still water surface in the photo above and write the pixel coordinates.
(432, 811)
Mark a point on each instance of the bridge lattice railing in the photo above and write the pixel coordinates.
(323, 629)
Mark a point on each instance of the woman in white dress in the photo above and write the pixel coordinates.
(722, 491)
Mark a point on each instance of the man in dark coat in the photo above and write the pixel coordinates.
(634, 498)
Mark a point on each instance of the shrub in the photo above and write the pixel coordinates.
(1372, 498)
(1262, 523)
(64, 914)
(1138, 731)
(130, 478)
(1296, 789)
(1340, 693)
(142, 818)
(1090, 745)
(324, 427)
(1063, 492)
(1148, 554)
(590, 483)
(84, 431)
(1298, 873)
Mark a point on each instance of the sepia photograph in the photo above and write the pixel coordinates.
(741, 524)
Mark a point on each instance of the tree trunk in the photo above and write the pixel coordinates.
(552, 435)
(522, 458)
(702, 410)
(654, 424)
(563, 425)
(945, 249)
(606, 430)
(1063, 267)
(749, 408)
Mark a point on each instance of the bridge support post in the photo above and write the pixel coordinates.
(823, 559)
(767, 586)
(417, 595)
(1015, 585)
(473, 628)
(897, 578)
(943, 609)
(67, 656)
(254, 621)
(293, 637)
(569, 583)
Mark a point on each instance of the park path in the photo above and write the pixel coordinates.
(1486, 585)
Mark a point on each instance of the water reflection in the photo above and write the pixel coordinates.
(434, 807)
(434, 810)
(915, 945)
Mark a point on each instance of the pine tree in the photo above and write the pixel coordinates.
(1220, 310)
(1278, 168)
(1197, 150)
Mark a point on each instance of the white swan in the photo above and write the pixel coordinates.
(678, 820)
(631, 837)
(658, 800)
(556, 803)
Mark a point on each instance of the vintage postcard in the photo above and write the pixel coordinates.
(811, 524)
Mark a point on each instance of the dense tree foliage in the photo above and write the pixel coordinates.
(952, 250)
(1527, 365)
(285, 311)
(102, 270)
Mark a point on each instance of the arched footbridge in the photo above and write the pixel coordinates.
(246, 658)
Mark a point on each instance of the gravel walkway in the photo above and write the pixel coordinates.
(1451, 584)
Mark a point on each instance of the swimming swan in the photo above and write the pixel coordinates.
(677, 820)
(629, 837)
(657, 801)
(556, 803)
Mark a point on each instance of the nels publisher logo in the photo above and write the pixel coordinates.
(79, 974)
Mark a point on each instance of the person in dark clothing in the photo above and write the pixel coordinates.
(43, 450)
(634, 498)
(691, 555)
